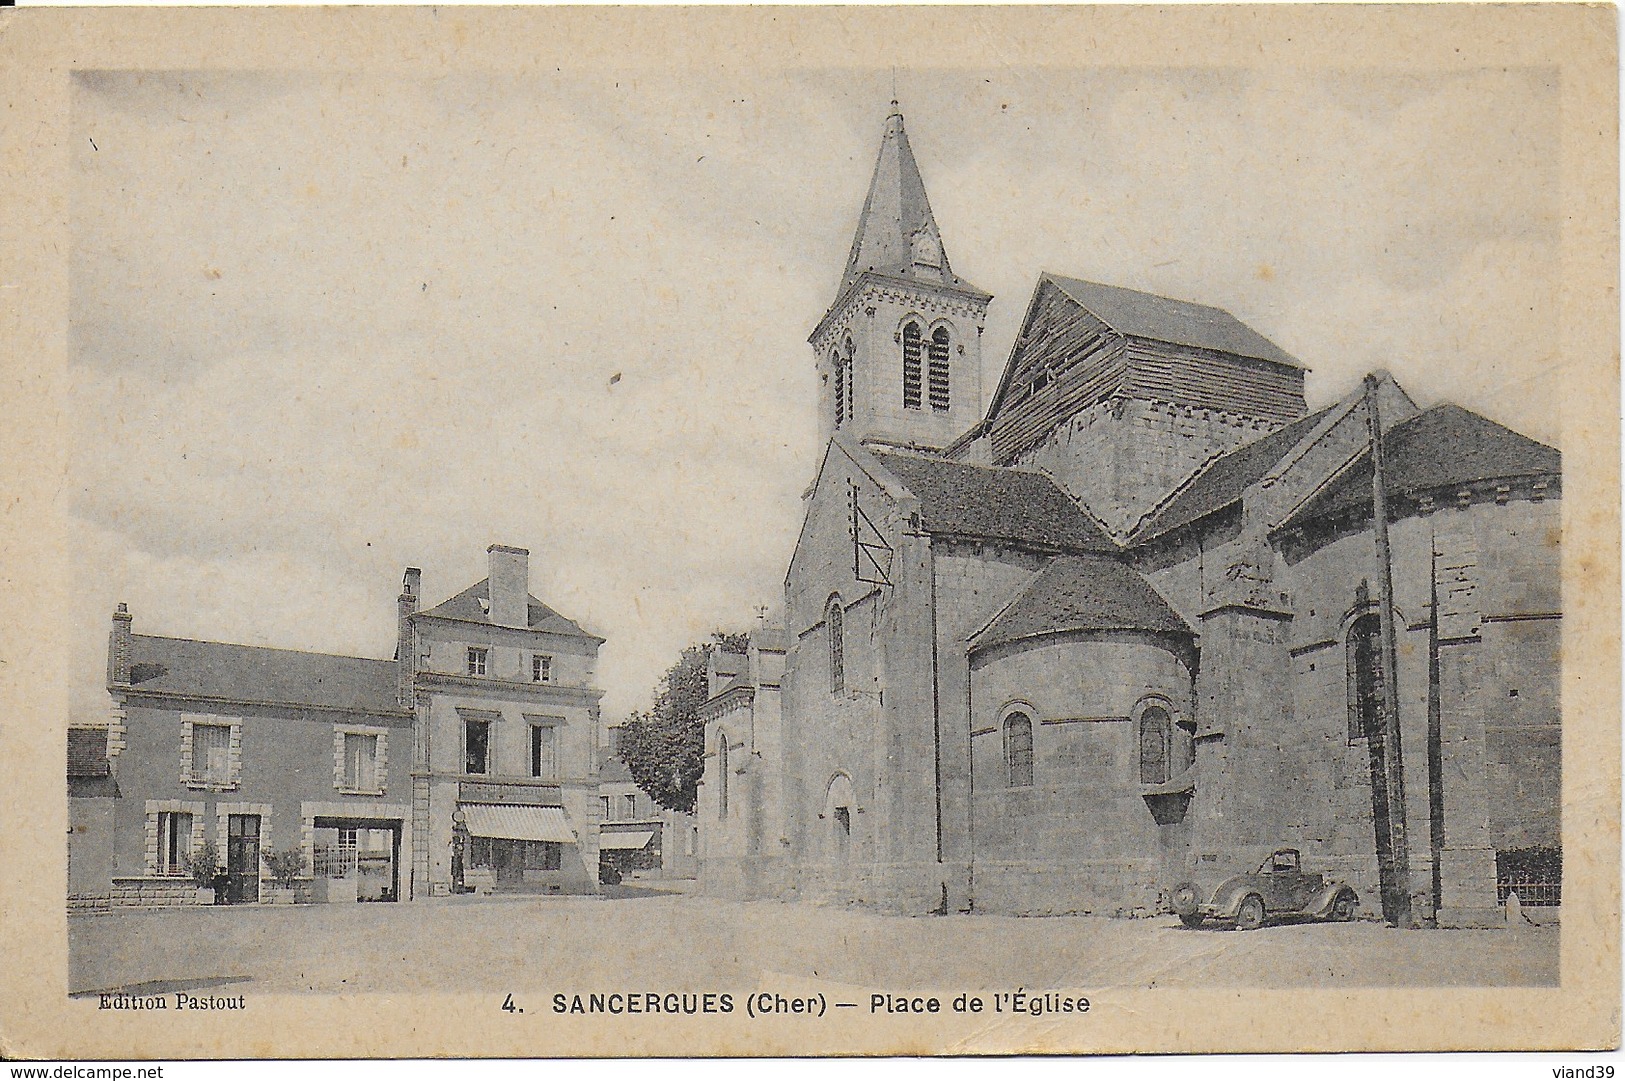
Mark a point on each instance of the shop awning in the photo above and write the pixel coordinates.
(624, 840)
(518, 823)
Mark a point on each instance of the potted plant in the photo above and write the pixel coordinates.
(203, 867)
(284, 865)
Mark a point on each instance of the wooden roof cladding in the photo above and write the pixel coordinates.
(1069, 358)
(1064, 362)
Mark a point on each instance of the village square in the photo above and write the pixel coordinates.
(1131, 668)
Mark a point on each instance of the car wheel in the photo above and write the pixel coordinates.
(1183, 900)
(1250, 916)
(1343, 908)
(1192, 920)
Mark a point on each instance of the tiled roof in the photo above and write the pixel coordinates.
(1178, 322)
(1225, 478)
(1076, 593)
(87, 752)
(996, 504)
(1441, 447)
(185, 668)
(472, 605)
(613, 769)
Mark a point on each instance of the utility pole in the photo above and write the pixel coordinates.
(1398, 908)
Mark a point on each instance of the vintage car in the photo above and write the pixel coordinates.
(1279, 888)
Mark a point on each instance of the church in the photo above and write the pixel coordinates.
(1134, 616)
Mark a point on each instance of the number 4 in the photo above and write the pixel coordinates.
(507, 1004)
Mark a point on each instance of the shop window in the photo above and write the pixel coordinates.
(1018, 749)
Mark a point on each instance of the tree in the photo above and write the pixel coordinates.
(664, 748)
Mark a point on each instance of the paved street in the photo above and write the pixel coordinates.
(656, 939)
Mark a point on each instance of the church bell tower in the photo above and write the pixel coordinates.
(899, 353)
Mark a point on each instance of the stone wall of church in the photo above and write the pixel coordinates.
(1120, 457)
(1080, 838)
(873, 734)
(1494, 739)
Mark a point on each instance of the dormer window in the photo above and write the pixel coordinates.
(477, 659)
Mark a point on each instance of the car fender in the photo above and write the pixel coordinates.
(1228, 897)
(1320, 905)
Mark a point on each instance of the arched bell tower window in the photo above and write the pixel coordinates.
(846, 374)
(837, 368)
(1018, 750)
(938, 370)
(1365, 678)
(835, 624)
(912, 347)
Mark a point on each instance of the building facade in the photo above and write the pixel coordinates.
(739, 809)
(253, 750)
(504, 787)
(463, 763)
(1125, 628)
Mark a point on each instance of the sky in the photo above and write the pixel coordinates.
(325, 327)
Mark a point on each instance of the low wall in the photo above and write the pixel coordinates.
(145, 891)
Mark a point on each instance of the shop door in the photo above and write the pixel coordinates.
(508, 861)
(243, 859)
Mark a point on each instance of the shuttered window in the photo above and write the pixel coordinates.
(911, 366)
(838, 372)
(836, 623)
(938, 370)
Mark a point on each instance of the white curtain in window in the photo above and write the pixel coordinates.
(361, 761)
(211, 753)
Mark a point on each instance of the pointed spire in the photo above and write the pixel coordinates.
(897, 234)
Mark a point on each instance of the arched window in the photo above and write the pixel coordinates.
(846, 369)
(835, 624)
(1365, 678)
(1156, 735)
(911, 366)
(938, 371)
(722, 775)
(1018, 749)
(838, 370)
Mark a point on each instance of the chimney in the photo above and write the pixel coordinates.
(118, 646)
(406, 645)
(510, 586)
